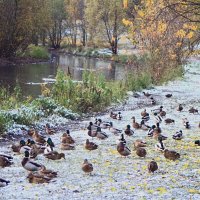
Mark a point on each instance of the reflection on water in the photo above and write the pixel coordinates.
(30, 76)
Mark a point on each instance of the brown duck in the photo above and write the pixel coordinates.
(38, 178)
(90, 145)
(193, 110)
(54, 155)
(180, 108)
(49, 130)
(139, 143)
(87, 167)
(38, 138)
(141, 152)
(169, 121)
(67, 146)
(128, 131)
(47, 172)
(5, 161)
(67, 138)
(144, 113)
(152, 166)
(135, 124)
(113, 115)
(171, 155)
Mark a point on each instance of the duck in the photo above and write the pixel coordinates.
(114, 130)
(143, 126)
(49, 130)
(30, 142)
(146, 94)
(30, 165)
(168, 95)
(186, 123)
(157, 110)
(171, 155)
(180, 108)
(103, 125)
(3, 182)
(67, 146)
(16, 147)
(152, 166)
(139, 143)
(135, 124)
(113, 115)
(153, 101)
(49, 146)
(92, 130)
(162, 113)
(128, 130)
(119, 116)
(158, 118)
(47, 172)
(122, 149)
(35, 177)
(67, 138)
(31, 131)
(90, 145)
(197, 142)
(169, 121)
(193, 110)
(121, 139)
(160, 146)
(87, 167)
(146, 118)
(38, 138)
(141, 152)
(100, 134)
(178, 135)
(150, 131)
(5, 161)
(54, 155)
(144, 113)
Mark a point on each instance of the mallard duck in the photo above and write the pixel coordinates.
(49, 130)
(180, 108)
(10, 158)
(168, 95)
(197, 142)
(119, 116)
(143, 126)
(113, 115)
(128, 131)
(103, 124)
(114, 130)
(171, 155)
(100, 134)
(160, 146)
(139, 143)
(152, 166)
(31, 131)
(16, 147)
(123, 149)
(67, 138)
(90, 145)
(135, 124)
(169, 121)
(38, 178)
(38, 138)
(121, 139)
(157, 110)
(146, 94)
(87, 167)
(28, 164)
(5, 161)
(153, 101)
(193, 110)
(178, 135)
(30, 142)
(186, 123)
(92, 130)
(141, 152)
(3, 182)
(54, 155)
(150, 131)
(67, 146)
(158, 119)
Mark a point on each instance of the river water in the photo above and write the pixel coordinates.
(30, 76)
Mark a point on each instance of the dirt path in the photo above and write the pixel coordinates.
(124, 178)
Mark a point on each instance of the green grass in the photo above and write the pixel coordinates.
(37, 52)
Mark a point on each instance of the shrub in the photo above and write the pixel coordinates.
(37, 52)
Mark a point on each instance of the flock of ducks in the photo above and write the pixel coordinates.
(38, 144)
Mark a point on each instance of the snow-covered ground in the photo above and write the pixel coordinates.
(115, 177)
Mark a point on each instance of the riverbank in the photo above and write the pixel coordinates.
(115, 177)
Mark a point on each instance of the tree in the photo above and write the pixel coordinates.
(105, 17)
